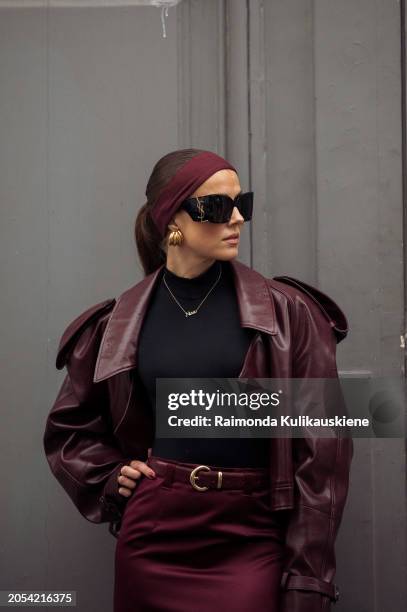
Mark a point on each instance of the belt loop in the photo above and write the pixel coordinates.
(284, 579)
(169, 474)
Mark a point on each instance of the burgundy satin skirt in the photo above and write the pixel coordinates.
(184, 550)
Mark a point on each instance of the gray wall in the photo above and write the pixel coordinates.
(304, 96)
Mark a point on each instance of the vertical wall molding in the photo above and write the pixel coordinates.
(201, 75)
(237, 105)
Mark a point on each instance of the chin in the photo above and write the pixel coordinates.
(227, 254)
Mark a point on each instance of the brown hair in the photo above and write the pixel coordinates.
(150, 244)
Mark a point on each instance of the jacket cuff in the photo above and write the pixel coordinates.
(306, 594)
(304, 601)
(113, 502)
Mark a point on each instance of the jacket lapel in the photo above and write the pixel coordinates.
(118, 348)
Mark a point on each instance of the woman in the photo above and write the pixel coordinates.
(248, 524)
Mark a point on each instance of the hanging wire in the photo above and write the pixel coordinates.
(164, 4)
(164, 14)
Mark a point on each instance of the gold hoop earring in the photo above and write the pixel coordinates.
(176, 237)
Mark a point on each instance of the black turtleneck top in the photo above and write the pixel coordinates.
(210, 343)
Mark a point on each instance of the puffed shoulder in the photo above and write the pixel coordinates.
(77, 326)
(329, 308)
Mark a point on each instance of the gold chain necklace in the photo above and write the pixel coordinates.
(188, 313)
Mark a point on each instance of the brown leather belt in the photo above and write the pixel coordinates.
(203, 477)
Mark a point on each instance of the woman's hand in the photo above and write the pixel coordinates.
(130, 474)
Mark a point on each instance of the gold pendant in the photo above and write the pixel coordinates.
(188, 313)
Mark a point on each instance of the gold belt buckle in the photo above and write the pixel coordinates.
(193, 477)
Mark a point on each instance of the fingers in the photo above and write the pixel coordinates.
(136, 469)
(126, 482)
(131, 474)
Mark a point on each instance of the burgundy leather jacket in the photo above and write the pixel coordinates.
(100, 419)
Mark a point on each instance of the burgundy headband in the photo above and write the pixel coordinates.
(188, 178)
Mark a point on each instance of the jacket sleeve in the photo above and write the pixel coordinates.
(321, 465)
(80, 448)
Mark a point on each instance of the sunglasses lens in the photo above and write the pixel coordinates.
(245, 205)
(219, 209)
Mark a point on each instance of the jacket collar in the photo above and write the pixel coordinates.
(118, 348)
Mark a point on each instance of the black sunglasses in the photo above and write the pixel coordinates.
(218, 208)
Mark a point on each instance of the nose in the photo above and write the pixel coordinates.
(236, 216)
